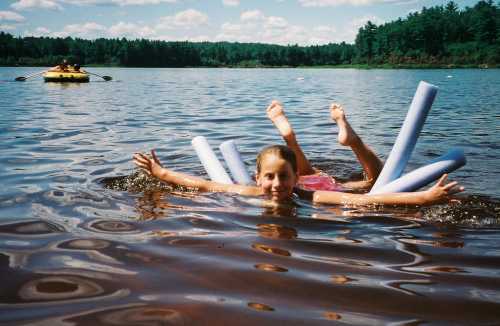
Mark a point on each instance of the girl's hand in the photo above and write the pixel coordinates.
(442, 191)
(151, 166)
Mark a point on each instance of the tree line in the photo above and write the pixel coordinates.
(440, 35)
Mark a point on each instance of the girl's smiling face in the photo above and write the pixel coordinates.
(276, 177)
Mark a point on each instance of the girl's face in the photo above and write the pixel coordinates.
(276, 178)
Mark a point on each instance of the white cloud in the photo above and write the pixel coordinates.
(92, 30)
(42, 30)
(130, 30)
(39, 31)
(254, 26)
(5, 27)
(274, 22)
(185, 19)
(86, 30)
(190, 18)
(324, 29)
(324, 34)
(173, 25)
(31, 4)
(231, 3)
(233, 32)
(11, 16)
(231, 28)
(251, 15)
(168, 28)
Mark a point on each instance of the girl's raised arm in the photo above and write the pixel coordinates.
(440, 192)
(153, 167)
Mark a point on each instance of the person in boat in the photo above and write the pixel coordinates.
(76, 67)
(314, 179)
(277, 176)
(63, 66)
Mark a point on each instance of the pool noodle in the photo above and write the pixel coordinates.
(235, 163)
(424, 175)
(407, 138)
(210, 162)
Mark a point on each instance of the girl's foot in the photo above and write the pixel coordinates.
(347, 136)
(277, 116)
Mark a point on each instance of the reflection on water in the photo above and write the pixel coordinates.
(341, 279)
(113, 226)
(271, 250)
(142, 316)
(85, 239)
(59, 288)
(260, 306)
(332, 315)
(271, 268)
(275, 231)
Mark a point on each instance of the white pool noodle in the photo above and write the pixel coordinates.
(235, 163)
(424, 175)
(210, 162)
(408, 135)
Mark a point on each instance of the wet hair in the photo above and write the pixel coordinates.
(281, 151)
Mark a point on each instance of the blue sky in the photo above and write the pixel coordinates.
(304, 22)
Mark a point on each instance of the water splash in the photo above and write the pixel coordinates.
(136, 182)
(475, 211)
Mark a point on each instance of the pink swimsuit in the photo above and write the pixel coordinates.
(319, 182)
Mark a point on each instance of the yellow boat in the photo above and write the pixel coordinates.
(69, 75)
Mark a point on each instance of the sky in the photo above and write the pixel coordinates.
(303, 22)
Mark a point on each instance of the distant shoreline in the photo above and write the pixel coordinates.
(342, 66)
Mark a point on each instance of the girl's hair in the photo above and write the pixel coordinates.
(281, 151)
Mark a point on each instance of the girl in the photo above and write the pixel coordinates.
(313, 179)
(277, 175)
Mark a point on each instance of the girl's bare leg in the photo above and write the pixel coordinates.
(371, 164)
(277, 116)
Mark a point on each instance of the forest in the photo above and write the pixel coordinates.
(439, 36)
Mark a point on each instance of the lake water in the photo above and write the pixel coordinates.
(85, 240)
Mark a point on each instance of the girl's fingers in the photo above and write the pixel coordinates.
(140, 157)
(141, 165)
(456, 190)
(140, 161)
(442, 179)
(450, 185)
(155, 158)
(145, 162)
